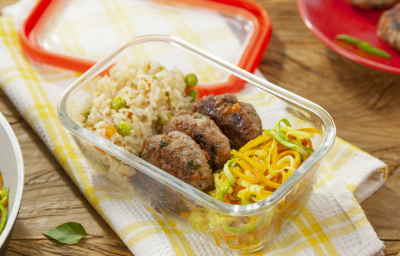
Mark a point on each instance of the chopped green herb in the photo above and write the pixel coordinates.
(252, 195)
(167, 94)
(260, 129)
(154, 76)
(162, 67)
(214, 146)
(164, 143)
(202, 117)
(254, 114)
(193, 164)
(164, 133)
(198, 170)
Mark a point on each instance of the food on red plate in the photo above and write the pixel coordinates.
(203, 131)
(389, 27)
(364, 46)
(372, 4)
(239, 121)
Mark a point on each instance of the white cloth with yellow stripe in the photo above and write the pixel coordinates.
(332, 222)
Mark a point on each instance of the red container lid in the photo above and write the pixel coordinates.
(75, 34)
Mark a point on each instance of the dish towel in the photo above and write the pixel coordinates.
(332, 222)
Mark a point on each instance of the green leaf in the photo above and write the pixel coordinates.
(67, 233)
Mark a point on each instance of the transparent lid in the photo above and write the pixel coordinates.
(76, 34)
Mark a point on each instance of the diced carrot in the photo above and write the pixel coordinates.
(236, 108)
(185, 215)
(98, 149)
(110, 130)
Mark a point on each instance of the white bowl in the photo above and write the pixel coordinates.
(12, 170)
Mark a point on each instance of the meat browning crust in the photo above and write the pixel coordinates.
(177, 154)
(205, 132)
(372, 4)
(389, 27)
(239, 121)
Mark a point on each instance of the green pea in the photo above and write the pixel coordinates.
(194, 94)
(161, 121)
(104, 167)
(123, 128)
(85, 114)
(191, 80)
(118, 102)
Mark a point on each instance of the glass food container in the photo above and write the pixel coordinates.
(220, 222)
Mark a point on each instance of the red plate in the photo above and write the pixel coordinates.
(328, 18)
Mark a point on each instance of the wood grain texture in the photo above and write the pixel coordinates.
(364, 103)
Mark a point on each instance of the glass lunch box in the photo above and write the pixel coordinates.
(220, 222)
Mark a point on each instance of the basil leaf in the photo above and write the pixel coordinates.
(67, 233)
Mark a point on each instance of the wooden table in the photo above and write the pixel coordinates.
(364, 103)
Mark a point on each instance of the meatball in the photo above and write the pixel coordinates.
(389, 27)
(205, 132)
(371, 4)
(179, 155)
(237, 120)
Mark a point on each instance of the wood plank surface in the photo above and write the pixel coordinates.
(364, 103)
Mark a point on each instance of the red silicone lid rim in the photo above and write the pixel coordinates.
(249, 61)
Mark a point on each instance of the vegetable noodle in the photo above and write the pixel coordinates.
(3, 204)
(261, 166)
(252, 174)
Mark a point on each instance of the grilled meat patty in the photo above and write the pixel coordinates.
(203, 131)
(179, 155)
(239, 121)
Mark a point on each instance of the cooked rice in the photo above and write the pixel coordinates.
(151, 93)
